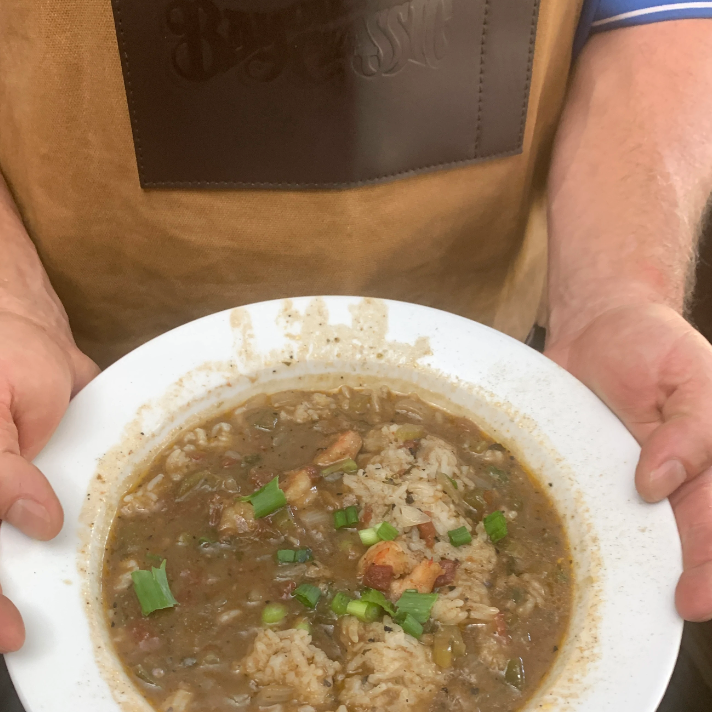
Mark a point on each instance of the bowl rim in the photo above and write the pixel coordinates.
(538, 397)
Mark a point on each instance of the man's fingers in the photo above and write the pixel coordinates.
(12, 629)
(693, 597)
(680, 448)
(692, 504)
(27, 501)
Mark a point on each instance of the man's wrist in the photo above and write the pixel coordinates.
(571, 313)
(46, 313)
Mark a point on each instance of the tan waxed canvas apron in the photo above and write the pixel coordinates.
(286, 147)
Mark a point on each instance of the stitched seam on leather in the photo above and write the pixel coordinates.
(347, 184)
(480, 97)
(123, 53)
(530, 64)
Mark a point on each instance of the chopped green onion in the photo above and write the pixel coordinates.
(303, 624)
(205, 540)
(283, 519)
(346, 517)
(498, 474)
(514, 674)
(410, 432)
(267, 499)
(381, 532)
(364, 611)
(351, 515)
(273, 613)
(496, 526)
(290, 556)
(152, 589)
(452, 482)
(340, 603)
(410, 625)
(475, 499)
(386, 531)
(189, 483)
(370, 595)
(347, 465)
(459, 536)
(252, 459)
(307, 595)
(141, 674)
(153, 557)
(368, 537)
(416, 604)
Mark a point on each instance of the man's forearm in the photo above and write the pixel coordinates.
(25, 289)
(631, 172)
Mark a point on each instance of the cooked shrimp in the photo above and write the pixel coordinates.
(346, 446)
(386, 553)
(422, 578)
(237, 519)
(299, 486)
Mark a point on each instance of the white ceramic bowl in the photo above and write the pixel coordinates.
(624, 632)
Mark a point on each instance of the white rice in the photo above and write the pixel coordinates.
(288, 657)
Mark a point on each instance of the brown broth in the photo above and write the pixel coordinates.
(222, 579)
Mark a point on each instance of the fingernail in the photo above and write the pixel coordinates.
(668, 477)
(30, 517)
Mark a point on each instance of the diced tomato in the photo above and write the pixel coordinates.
(428, 533)
(500, 627)
(450, 569)
(378, 577)
(366, 517)
(144, 635)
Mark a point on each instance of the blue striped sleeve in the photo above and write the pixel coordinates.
(601, 15)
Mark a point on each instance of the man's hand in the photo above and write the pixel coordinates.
(630, 178)
(39, 372)
(655, 372)
(41, 368)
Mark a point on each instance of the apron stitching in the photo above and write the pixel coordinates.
(125, 60)
(352, 184)
(480, 92)
(532, 40)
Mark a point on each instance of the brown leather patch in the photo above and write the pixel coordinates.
(321, 93)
